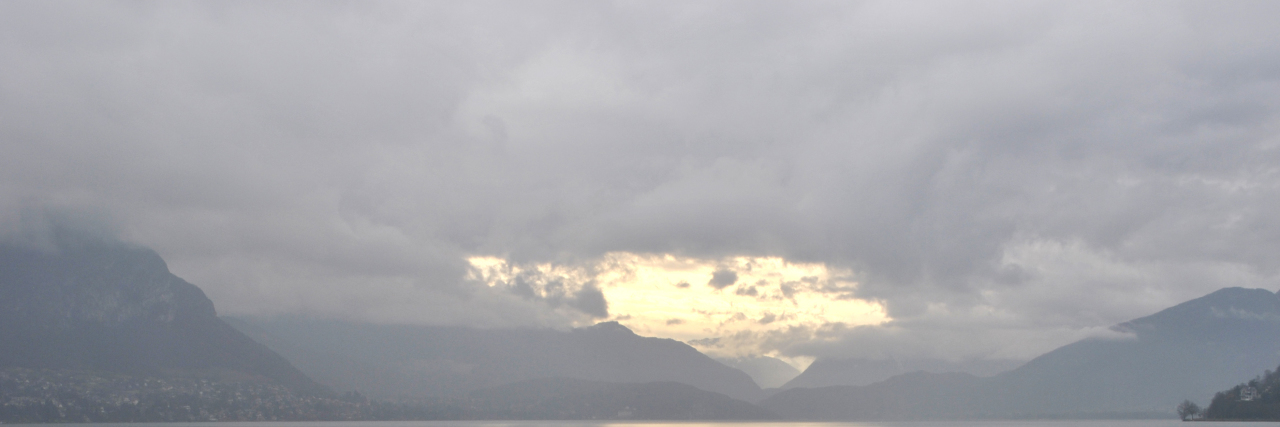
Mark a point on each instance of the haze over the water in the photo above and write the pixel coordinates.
(953, 180)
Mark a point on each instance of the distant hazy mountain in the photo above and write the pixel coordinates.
(912, 396)
(1188, 351)
(767, 372)
(855, 372)
(401, 361)
(573, 399)
(87, 303)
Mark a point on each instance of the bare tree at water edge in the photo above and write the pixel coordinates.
(1188, 410)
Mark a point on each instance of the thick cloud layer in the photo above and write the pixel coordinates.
(1003, 176)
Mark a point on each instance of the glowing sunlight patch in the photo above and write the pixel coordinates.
(729, 307)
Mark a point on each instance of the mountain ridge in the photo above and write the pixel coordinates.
(85, 302)
(1188, 351)
(415, 361)
(767, 372)
(826, 372)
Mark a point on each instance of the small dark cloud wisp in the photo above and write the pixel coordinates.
(722, 279)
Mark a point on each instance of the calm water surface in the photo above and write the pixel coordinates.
(1070, 423)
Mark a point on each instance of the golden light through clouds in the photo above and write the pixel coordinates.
(753, 301)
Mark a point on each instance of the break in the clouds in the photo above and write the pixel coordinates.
(999, 177)
(749, 306)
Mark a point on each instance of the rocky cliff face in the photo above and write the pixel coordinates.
(92, 303)
(83, 281)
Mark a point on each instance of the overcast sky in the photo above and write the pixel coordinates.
(1001, 177)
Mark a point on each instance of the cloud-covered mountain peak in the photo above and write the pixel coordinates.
(611, 327)
(83, 302)
(77, 277)
(1210, 316)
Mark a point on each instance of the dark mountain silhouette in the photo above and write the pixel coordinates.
(89, 303)
(574, 399)
(403, 361)
(1184, 352)
(857, 372)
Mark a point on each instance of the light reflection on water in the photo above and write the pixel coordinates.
(1020, 423)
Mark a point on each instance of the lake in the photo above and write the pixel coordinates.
(1026, 423)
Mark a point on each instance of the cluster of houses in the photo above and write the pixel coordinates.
(1249, 393)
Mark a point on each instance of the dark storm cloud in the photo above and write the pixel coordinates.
(721, 279)
(989, 171)
(591, 301)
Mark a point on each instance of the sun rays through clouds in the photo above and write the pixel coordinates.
(733, 306)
